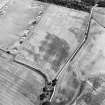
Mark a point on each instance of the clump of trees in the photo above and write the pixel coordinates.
(93, 2)
(84, 5)
(76, 4)
(102, 3)
(89, 2)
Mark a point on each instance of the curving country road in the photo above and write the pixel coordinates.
(27, 66)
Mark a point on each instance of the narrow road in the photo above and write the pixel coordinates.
(80, 46)
(86, 34)
(33, 69)
(27, 66)
(65, 64)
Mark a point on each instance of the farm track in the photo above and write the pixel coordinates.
(25, 65)
(68, 60)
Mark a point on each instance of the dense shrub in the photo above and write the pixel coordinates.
(76, 4)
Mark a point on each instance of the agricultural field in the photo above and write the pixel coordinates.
(51, 54)
(18, 85)
(16, 17)
(55, 38)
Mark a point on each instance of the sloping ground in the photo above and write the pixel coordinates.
(18, 85)
(54, 39)
(94, 48)
(89, 64)
(67, 88)
(16, 17)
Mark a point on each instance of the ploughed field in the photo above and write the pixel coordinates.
(44, 36)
